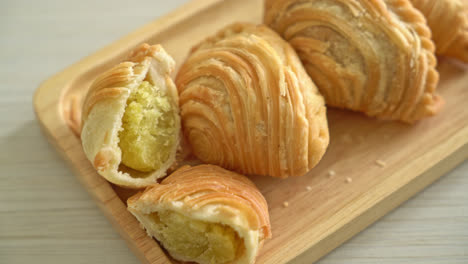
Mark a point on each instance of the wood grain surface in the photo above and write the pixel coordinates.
(47, 217)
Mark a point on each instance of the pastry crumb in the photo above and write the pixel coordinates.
(331, 173)
(285, 204)
(308, 188)
(349, 180)
(346, 138)
(381, 163)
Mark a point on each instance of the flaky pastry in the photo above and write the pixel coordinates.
(247, 104)
(372, 56)
(130, 126)
(205, 214)
(448, 21)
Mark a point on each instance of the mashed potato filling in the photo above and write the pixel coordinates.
(148, 129)
(196, 240)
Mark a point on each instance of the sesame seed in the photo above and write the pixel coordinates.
(331, 173)
(349, 180)
(308, 188)
(285, 204)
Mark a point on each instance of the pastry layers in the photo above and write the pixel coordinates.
(205, 214)
(371, 56)
(131, 122)
(247, 104)
(448, 21)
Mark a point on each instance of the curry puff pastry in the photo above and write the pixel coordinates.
(448, 21)
(372, 56)
(205, 214)
(131, 123)
(247, 104)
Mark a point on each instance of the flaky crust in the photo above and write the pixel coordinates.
(247, 104)
(104, 107)
(372, 56)
(212, 194)
(448, 21)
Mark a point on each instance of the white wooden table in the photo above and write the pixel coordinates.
(45, 215)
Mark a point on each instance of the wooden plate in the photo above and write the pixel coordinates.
(377, 165)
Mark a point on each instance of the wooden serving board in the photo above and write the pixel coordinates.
(324, 211)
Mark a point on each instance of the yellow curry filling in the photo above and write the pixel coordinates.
(196, 240)
(148, 129)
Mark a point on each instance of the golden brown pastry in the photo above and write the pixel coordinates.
(372, 56)
(448, 21)
(130, 128)
(247, 104)
(205, 214)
